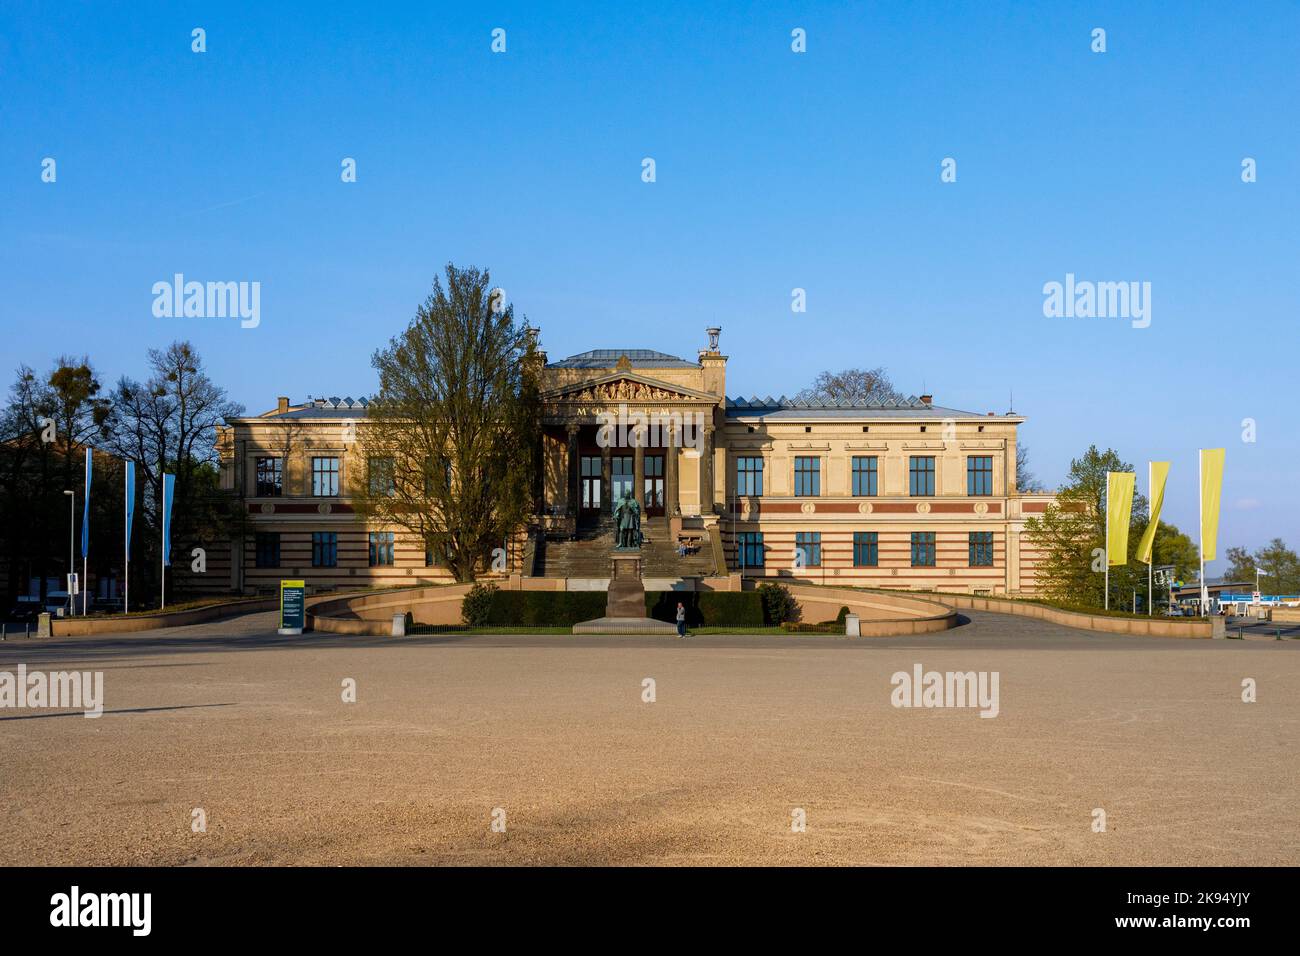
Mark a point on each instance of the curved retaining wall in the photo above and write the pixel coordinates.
(123, 624)
(1144, 627)
(373, 613)
(880, 614)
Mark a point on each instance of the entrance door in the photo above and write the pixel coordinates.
(622, 474)
(654, 485)
(590, 476)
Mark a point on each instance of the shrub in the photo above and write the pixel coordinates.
(779, 605)
(826, 627)
(476, 606)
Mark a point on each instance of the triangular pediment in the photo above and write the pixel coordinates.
(625, 386)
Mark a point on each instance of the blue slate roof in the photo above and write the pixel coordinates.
(608, 358)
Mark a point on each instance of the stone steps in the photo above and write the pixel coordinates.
(589, 555)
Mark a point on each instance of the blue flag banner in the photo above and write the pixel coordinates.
(85, 516)
(130, 501)
(169, 492)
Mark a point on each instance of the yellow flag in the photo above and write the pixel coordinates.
(1211, 491)
(1159, 475)
(1119, 510)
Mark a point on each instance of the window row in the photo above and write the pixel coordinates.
(865, 475)
(325, 550)
(750, 551)
(381, 476)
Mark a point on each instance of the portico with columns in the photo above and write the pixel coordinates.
(630, 420)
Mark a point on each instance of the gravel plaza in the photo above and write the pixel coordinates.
(511, 750)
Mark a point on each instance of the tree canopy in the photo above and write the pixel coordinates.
(450, 439)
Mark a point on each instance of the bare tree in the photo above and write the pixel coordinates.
(856, 385)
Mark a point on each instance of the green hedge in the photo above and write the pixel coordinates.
(566, 608)
(544, 608)
(707, 608)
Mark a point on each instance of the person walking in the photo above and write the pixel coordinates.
(681, 619)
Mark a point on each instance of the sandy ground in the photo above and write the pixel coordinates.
(553, 730)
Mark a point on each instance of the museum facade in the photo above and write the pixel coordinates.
(897, 493)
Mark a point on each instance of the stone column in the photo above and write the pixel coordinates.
(638, 469)
(671, 507)
(574, 480)
(606, 480)
(706, 472)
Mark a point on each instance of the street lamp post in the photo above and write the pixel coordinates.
(72, 536)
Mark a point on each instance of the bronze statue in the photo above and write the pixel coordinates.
(627, 517)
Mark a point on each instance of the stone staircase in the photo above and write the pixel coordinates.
(588, 556)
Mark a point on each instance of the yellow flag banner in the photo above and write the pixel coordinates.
(1119, 510)
(1211, 492)
(1159, 475)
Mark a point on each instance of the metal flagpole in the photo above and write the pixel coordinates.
(1200, 513)
(1151, 555)
(126, 548)
(85, 540)
(1107, 597)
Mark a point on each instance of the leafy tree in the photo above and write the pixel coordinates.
(451, 437)
(1241, 565)
(857, 385)
(45, 428)
(1073, 529)
(1279, 568)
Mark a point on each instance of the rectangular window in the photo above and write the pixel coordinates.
(324, 549)
(749, 476)
(864, 476)
(922, 549)
(808, 549)
(807, 477)
(269, 477)
(979, 475)
(866, 549)
(380, 475)
(325, 477)
(921, 476)
(750, 545)
(268, 549)
(381, 549)
(981, 549)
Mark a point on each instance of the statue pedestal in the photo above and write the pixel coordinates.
(625, 602)
(626, 592)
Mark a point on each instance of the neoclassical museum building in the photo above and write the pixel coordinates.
(894, 494)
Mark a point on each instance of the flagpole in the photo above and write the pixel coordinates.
(1106, 599)
(162, 565)
(1151, 593)
(126, 546)
(1200, 509)
(85, 540)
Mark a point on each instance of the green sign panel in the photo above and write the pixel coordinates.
(293, 608)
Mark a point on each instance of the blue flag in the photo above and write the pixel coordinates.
(130, 502)
(169, 492)
(85, 516)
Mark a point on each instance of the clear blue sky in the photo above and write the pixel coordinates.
(775, 171)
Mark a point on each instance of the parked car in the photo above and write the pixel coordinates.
(25, 610)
